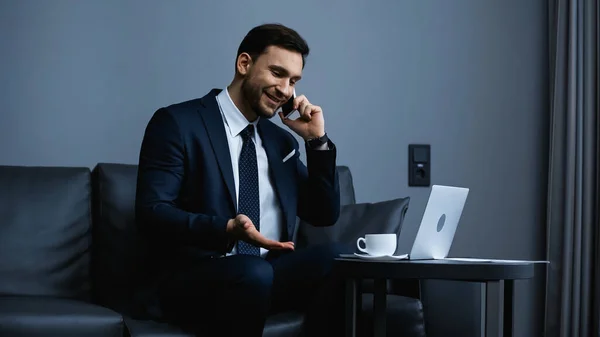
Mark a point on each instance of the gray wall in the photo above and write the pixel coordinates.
(80, 79)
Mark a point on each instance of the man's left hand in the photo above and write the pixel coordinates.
(310, 124)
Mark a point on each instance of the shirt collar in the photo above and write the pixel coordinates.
(233, 116)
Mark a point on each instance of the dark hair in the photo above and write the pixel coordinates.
(272, 34)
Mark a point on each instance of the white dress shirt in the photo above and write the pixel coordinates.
(271, 222)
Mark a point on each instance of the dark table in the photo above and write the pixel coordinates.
(493, 274)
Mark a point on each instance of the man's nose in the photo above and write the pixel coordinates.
(285, 89)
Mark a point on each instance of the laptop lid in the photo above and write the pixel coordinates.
(440, 220)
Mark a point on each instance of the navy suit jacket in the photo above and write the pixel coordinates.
(185, 188)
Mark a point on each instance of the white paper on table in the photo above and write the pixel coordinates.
(470, 259)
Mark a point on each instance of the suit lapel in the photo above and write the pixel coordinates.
(276, 166)
(213, 121)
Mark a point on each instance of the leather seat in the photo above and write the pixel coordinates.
(51, 317)
(283, 324)
(69, 270)
(149, 328)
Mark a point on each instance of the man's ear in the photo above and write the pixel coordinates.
(243, 64)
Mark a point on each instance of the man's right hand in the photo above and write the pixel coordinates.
(242, 228)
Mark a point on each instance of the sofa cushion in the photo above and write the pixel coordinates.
(51, 317)
(355, 221)
(284, 324)
(288, 324)
(347, 196)
(149, 328)
(45, 231)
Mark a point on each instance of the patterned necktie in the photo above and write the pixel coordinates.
(248, 199)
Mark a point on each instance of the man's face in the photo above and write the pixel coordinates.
(270, 80)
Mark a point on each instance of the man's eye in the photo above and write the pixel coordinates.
(276, 74)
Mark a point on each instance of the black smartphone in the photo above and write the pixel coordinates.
(288, 107)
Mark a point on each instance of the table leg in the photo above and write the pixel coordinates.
(379, 307)
(509, 297)
(491, 304)
(358, 306)
(351, 308)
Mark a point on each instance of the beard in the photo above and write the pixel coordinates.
(252, 93)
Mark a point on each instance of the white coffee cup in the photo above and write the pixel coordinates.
(378, 244)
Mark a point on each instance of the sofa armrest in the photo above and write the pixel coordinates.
(355, 221)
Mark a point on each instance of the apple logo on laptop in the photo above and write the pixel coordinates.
(441, 223)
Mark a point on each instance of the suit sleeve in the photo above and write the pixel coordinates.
(319, 197)
(160, 177)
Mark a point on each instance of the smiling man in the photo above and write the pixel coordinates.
(219, 189)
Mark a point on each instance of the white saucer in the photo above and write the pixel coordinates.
(376, 257)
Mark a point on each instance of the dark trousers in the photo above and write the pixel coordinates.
(232, 296)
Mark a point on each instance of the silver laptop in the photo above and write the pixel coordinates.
(438, 226)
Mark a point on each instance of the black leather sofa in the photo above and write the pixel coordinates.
(70, 257)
